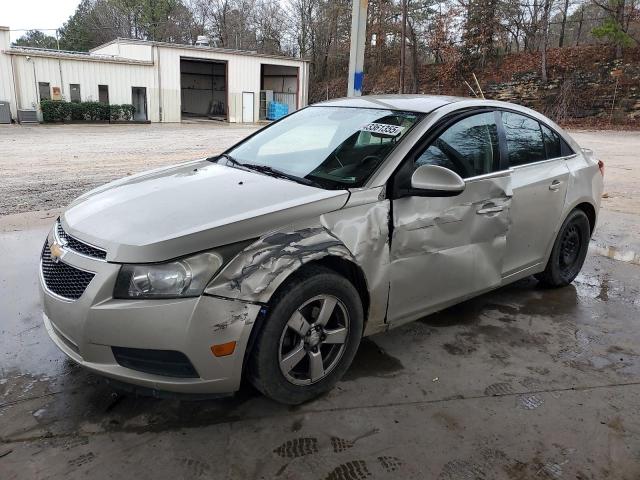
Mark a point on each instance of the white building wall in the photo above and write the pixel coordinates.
(124, 49)
(243, 75)
(161, 77)
(111, 48)
(6, 78)
(120, 77)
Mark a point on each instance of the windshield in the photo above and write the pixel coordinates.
(332, 147)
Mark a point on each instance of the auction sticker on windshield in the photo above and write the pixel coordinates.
(383, 129)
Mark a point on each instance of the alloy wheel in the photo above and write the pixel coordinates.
(313, 340)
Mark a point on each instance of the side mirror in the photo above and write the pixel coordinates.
(435, 181)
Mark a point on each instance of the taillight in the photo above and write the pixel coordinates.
(601, 167)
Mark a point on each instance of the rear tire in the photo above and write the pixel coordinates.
(309, 338)
(569, 251)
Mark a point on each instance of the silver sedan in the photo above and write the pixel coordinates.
(344, 219)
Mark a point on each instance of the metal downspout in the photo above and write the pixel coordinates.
(15, 86)
(159, 83)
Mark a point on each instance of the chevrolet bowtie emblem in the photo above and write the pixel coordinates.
(56, 251)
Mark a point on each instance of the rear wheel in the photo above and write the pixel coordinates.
(569, 251)
(309, 338)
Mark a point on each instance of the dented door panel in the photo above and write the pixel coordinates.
(539, 194)
(364, 230)
(449, 248)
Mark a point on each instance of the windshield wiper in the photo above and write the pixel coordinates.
(228, 158)
(274, 172)
(267, 170)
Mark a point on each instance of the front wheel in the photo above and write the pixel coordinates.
(309, 338)
(569, 251)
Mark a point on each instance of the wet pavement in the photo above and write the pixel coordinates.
(521, 383)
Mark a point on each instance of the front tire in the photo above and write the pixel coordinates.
(309, 338)
(569, 251)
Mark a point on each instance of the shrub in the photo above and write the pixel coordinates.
(92, 110)
(104, 111)
(115, 112)
(127, 111)
(59, 111)
(78, 111)
(55, 110)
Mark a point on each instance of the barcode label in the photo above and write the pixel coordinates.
(383, 129)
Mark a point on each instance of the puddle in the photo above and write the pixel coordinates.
(522, 298)
(372, 361)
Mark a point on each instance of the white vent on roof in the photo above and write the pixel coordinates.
(202, 41)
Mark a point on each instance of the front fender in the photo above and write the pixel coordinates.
(257, 272)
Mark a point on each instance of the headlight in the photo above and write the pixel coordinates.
(186, 277)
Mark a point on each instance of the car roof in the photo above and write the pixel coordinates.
(410, 102)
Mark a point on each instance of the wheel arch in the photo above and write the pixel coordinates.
(589, 210)
(338, 264)
(352, 272)
(584, 205)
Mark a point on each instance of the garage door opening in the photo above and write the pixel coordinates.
(203, 88)
(278, 84)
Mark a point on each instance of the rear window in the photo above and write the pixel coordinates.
(525, 143)
(551, 143)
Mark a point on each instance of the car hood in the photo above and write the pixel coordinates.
(175, 211)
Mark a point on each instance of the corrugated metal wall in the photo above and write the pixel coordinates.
(243, 76)
(162, 79)
(120, 78)
(6, 79)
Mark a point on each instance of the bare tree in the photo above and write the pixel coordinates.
(546, 9)
(565, 12)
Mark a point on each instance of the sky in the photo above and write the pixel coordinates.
(35, 14)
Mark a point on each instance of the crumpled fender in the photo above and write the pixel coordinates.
(256, 273)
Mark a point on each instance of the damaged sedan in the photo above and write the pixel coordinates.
(271, 261)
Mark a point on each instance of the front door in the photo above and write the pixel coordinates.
(445, 249)
(139, 100)
(247, 107)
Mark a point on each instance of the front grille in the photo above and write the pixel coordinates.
(78, 246)
(167, 363)
(62, 279)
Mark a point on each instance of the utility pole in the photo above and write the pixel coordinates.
(403, 45)
(356, 54)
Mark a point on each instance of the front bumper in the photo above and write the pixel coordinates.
(86, 330)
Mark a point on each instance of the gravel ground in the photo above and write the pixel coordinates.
(45, 167)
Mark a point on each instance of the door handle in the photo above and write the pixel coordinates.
(487, 209)
(555, 185)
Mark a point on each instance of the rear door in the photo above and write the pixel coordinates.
(539, 180)
(447, 248)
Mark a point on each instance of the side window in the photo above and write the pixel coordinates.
(524, 139)
(554, 144)
(469, 147)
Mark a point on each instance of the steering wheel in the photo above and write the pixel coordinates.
(370, 158)
(455, 157)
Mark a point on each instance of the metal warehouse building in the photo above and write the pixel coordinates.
(165, 82)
